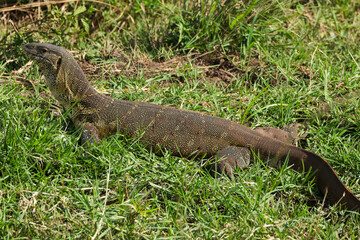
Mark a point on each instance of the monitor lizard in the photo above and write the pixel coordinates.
(182, 132)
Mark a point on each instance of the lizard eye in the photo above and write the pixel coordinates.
(43, 50)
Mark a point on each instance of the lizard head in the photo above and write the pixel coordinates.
(46, 55)
(63, 75)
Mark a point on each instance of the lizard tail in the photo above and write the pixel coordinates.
(326, 178)
(301, 160)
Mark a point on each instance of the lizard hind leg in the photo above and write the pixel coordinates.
(230, 158)
(288, 133)
(233, 157)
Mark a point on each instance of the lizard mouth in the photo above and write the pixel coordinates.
(30, 52)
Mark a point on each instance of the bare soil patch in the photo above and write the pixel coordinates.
(217, 68)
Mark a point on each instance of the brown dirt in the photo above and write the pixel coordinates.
(216, 68)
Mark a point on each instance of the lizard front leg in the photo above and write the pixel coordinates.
(90, 135)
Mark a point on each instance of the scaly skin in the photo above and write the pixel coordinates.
(180, 131)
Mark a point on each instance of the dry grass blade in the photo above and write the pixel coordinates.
(40, 4)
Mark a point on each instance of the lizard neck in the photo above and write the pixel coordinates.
(68, 84)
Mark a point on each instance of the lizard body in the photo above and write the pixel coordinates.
(182, 132)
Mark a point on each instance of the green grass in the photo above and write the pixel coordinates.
(265, 63)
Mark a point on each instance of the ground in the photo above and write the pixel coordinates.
(257, 63)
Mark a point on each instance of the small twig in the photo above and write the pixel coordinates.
(35, 193)
(319, 216)
(258, 228)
